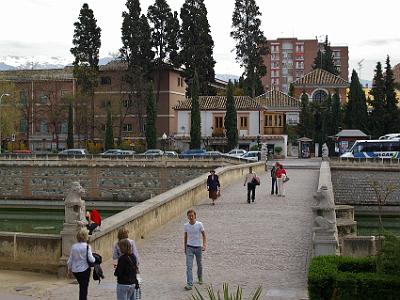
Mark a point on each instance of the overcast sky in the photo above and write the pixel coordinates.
(369, 27)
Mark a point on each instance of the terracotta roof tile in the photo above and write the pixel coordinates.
(275, 99)
(320, 77)
(219, 103)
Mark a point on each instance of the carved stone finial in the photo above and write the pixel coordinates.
(75, 209)
(323, 224)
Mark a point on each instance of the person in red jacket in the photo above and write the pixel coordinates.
(94, 220)
(280, 176)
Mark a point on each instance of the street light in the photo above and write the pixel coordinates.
(164, 139)
(1, 97)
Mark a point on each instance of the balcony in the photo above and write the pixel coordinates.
(218, 132)
(273, 130)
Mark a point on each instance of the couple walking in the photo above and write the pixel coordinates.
(279, 177)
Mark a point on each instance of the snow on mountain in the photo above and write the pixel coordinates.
(227, 77)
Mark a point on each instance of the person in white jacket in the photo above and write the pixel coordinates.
(78, 259)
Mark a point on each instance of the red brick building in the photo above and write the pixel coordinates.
(44, 97)
(290, 58)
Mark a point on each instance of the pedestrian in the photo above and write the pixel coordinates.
(281, 174)
(250, 179)
(78, 259)
(123, 233)
(213, 186)
(274, 187)
(93, 219)
(194, 242)
(126, 271)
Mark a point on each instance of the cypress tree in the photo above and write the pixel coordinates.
(109, 134)
(197, 47)
(70, 135)
(324, 59)
(306, 118)
(327, 118)
(195, 122)
(250, 43)
(137, 52)
(356, 114)
(164, 35)
(291, 90)
(151, 132)
(391, 117)
(336, 122)
(86, 41)
(377, 123)
(230, 122)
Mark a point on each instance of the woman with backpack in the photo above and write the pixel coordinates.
(79, 256)
(126, 271)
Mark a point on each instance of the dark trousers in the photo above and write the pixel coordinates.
(251, 188)
(274, 186)
(91, 227)
(83, 280)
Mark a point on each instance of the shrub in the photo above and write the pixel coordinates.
(226, 295)
(278, 150)
(388, 260)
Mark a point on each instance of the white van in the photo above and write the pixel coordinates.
(74, 152)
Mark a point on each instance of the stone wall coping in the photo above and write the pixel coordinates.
(143, 208)
(31, 235)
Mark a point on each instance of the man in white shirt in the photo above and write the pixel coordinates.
(193, 245)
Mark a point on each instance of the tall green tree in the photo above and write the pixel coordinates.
(109, 134)
(327, 117)
(377, 122)
(86, 41)
(324, 59)
(356, 114)
(250, 43)
(137, 52)
(306, 124)
(197, 46)
(337, 116)
(151, 113)
(195, 121)
(231, 118)
(70, 134)
(164, 36)
(392, 113)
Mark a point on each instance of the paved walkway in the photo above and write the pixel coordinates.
(266, 244)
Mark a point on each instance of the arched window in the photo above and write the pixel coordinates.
(319, 96)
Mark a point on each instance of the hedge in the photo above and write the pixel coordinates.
(347, 278)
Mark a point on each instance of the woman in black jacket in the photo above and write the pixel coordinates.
(126, 271)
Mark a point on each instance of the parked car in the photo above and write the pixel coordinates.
(214, 154)
(236, 152)
(127, 152)
(73, 152)
(193, 153)
(153, 152)
(171, 153)
(390, 136)
(111, 152)
(251, 155)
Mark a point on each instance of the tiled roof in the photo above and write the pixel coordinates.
(320, 77)
(219, 103)
(277, 100)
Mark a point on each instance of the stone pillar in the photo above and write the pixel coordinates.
(75, 212)
(325, 236)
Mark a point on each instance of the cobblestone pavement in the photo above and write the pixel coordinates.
(266, 244)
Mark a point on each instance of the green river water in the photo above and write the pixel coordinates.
(35, 220)
(369, 225)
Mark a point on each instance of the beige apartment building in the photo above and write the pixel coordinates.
(289, 59)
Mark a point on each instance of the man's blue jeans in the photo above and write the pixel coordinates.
(126, 292)
(190, 253)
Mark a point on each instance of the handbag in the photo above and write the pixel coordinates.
(91, 265)
(286, 179)
(255, 180)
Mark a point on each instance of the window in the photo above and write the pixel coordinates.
(180, 81)
(274, 64)
(103, 127)
(319, 96)
(219, 122)
(273, 120)
(127, 103)
(65, 93)
(64, 128)
(23, 125)
(105, 80)
(105, 103)
(127, 127)
(43, 127)
(243, 122)
(23, 97)
(43, 98)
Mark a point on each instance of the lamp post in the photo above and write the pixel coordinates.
(164, 139)
(1, 97)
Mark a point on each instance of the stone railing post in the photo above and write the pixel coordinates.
(325, 236)
(75, 212)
